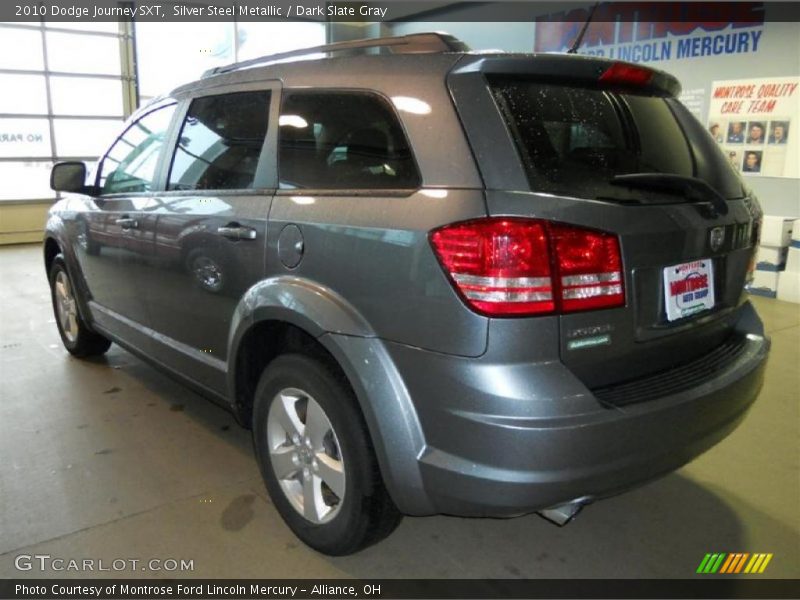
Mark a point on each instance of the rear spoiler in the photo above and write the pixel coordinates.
(571, 68)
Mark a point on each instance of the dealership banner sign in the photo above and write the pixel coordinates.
(641, 32)
(755, 123)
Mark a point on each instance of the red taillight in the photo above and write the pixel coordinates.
(515, 267)
(589, 268)
(501, 266)
(624, 74)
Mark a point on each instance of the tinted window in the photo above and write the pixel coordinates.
(711, 164)
(663, 147)
(574, 140)
(220, 142)
(130, 164)
(343, 140)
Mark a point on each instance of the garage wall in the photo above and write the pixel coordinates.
(170, 54)
(73, 83)
(22, 222)
(63, 96)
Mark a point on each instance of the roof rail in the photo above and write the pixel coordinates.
(416, 43)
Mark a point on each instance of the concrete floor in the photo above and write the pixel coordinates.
(110, 459)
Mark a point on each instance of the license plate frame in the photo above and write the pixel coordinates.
(688, 288)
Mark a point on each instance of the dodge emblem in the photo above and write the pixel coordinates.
(716, 238)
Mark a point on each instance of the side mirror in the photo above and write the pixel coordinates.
(68, 177)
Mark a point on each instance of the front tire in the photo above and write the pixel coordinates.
(317, 459)
(76, 336)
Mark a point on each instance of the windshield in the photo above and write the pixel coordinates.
(574, 140)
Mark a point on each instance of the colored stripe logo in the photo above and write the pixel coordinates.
(735, 562)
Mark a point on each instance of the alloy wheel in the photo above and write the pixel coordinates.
(66, 308)
(305, 455)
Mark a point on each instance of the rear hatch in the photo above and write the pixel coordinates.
(606, 146)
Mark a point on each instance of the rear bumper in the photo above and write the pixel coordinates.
(508, 439)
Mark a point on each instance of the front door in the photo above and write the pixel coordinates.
(117, 237)
(210, 231)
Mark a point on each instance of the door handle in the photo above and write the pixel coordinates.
(234, 231)
(127, 223)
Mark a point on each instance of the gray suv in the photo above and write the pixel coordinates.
(430, 280)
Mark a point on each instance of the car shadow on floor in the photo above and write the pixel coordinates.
(169, 394)
(661, 530)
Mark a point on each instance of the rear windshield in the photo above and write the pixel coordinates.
(573, 140)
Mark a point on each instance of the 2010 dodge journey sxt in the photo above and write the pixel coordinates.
(430, 280)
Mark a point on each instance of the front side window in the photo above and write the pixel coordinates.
(220, 142)
(343, 140)
(130, 165)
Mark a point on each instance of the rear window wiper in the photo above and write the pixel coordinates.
(695, 190)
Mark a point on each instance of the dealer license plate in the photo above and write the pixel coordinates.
(689, 288)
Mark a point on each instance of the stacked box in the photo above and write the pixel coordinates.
(771, 259)
(789, 278)
(773, 255)
(776, 232)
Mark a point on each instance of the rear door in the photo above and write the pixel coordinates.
(686, 252)
(210, 226)
(350, 217)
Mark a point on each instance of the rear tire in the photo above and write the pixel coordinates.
(301, 397)
(76, 336)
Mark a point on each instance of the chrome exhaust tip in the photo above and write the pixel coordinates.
(564, 513)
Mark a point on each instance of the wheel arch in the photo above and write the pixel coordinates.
(57, 241)
(289, 314)
(51, 249)
(279, 313)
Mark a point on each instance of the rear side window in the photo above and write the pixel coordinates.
(573, 140)
(129, 167)
(342, 140)
(220, 142)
